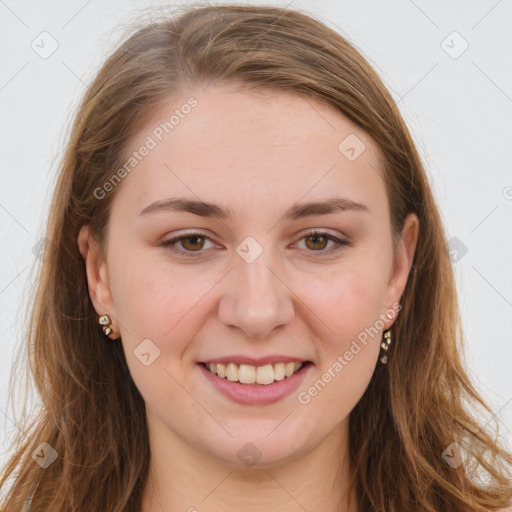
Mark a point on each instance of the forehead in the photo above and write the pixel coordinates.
(258, 143)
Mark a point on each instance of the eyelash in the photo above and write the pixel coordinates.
(168, 244)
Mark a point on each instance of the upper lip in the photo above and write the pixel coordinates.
(255, 361)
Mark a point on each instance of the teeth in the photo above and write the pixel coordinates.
(265, 374)
(248, 374)
(232, 372)
(279, 371)
(289, 368)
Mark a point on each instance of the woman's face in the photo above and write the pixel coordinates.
(251, 289)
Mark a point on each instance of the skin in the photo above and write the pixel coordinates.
(257, 153)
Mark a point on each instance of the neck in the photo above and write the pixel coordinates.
(182, 479)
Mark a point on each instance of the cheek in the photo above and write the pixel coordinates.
(349, 305)
(147, 287)
(348, 300)
(159, 303)
(154, 299)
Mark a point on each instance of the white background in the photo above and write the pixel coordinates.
(458, 109)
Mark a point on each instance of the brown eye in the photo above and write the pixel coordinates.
(318, 242)
(191, 242)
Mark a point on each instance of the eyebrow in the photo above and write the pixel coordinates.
(298, 211)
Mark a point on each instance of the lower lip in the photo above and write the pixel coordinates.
(257, 394)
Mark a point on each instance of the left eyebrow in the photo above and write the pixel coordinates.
(331, 205)
(299, 211)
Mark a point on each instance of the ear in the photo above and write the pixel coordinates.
(406, 248)
(97, 274)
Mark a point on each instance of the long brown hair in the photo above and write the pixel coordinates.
(92, 414)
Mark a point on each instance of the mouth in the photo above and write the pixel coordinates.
(248, 374)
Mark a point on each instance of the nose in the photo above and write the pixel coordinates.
(256, 299)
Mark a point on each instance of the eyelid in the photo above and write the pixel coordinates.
(168, 244)
(339, 241)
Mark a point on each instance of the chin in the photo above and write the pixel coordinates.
(251, 449)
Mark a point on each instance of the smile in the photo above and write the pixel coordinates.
(255, 385)
(249, 374)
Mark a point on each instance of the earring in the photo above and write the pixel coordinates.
(105, 321)
(385, 345)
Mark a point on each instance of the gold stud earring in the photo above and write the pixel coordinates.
(105, 321)
(385, 346)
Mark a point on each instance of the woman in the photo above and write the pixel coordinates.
(247, 301)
